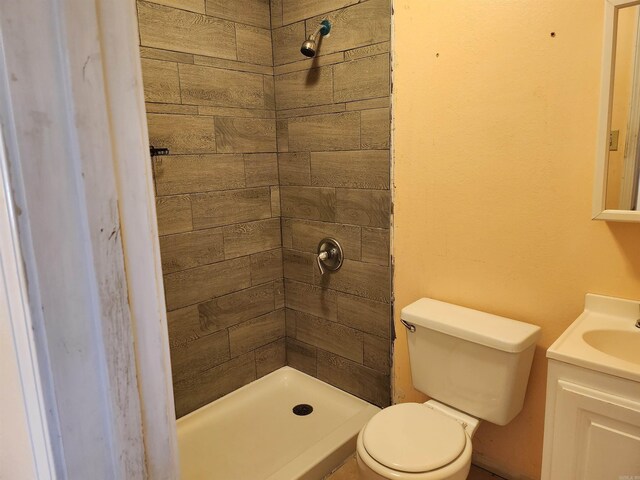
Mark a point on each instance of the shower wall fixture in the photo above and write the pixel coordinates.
(309, 46)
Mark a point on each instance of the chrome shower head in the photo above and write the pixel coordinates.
(309, 46)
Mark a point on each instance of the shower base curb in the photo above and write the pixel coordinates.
(253, 434)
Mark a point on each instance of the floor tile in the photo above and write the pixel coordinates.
(349, 471)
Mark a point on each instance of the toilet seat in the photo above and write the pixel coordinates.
(413, 438)
(402, 429)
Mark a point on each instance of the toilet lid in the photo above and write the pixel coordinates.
(412, 438)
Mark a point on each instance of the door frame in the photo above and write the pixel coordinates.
(23, 405)
(81, 185)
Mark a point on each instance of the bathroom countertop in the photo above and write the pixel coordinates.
(603, 338)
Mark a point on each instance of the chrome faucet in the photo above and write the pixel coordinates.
(329, 256)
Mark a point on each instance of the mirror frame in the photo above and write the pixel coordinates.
(600, 211)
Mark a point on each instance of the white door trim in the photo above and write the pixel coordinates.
(15, 306)
(79, 171)
(136, 197)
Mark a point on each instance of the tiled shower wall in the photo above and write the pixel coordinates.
(208, 68)
(333, 120)
(208, 81)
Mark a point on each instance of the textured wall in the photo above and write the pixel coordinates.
(494, 135)
(208, 79)
(333, 150)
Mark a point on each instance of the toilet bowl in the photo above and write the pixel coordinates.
(412, 441)
(473, 365)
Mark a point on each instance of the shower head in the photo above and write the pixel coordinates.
(309, 46)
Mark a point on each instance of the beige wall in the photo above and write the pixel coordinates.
(494, 141)
(16, 449)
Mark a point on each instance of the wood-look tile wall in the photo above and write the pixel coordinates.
(269, 150)
(208, 80)
(333, 135)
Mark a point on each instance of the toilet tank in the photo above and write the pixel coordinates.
(470, 360)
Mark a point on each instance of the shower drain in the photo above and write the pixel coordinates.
(302, 409)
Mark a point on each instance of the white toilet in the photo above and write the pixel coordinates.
(475, 366)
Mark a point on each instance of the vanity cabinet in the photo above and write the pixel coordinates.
(592, 425)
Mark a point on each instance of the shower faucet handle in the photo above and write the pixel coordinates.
(329, 257)
(322, 256)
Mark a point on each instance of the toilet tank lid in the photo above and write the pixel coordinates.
(472, 325)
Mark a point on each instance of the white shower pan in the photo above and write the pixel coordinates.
(253, 434)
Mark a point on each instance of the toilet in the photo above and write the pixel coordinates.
(474, 366)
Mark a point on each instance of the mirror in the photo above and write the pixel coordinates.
(616, 194)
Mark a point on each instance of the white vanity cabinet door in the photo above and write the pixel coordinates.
(594, 435)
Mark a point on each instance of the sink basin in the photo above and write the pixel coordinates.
(604, 338)
(621, 344)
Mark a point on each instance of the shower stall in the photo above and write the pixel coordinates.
(261, 158)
